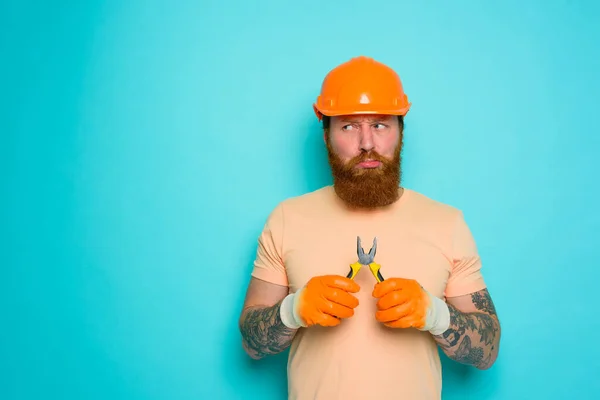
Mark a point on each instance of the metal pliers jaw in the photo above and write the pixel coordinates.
(365, 259)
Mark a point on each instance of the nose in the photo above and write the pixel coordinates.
(366, 139)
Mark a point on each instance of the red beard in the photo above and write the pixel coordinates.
(366, 188)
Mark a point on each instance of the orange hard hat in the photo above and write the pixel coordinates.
(361, 86)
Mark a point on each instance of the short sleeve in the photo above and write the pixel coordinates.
(466, 276)
(268, 264)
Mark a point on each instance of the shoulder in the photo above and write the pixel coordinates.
(426, 205)
(308, 202)
(442, 220)
(433, 214)
(305, 205)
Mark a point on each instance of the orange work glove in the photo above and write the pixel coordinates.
(324, 300)
(403, 303)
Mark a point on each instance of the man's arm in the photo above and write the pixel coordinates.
(473, 337)
(262, 331)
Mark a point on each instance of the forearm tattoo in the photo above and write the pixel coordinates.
(263, 333)
(472, 338)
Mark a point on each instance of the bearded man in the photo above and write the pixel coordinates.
(367, 323)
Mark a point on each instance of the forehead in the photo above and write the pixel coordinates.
(363, 118)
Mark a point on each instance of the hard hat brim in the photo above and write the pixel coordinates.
(320, 112)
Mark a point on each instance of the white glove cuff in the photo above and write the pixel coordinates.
(287, 311)
(438, 316)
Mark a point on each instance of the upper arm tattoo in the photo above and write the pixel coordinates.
(263, 331)
(483, 302)
(471, 336)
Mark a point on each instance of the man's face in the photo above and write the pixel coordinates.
(364, 155)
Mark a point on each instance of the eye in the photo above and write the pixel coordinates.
(347, 127)
(380, 126)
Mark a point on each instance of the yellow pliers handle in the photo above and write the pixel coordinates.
(354, 268)
(374, 267)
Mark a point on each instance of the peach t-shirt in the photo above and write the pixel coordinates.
(418, 238)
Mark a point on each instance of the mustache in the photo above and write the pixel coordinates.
(369, 155)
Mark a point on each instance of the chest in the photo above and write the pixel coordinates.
(401, 252)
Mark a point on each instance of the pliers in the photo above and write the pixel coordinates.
(365, 259)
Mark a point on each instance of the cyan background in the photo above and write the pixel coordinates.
(145, 142)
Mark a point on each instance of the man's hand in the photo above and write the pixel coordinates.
(403, 303)
(324, 300)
